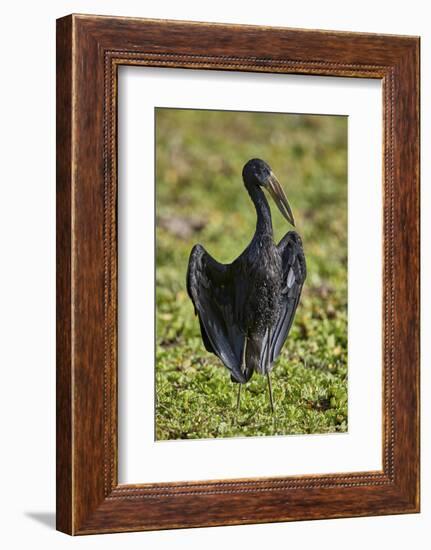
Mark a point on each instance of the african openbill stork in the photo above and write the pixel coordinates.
(246, 308)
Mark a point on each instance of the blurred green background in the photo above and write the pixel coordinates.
(201, 198)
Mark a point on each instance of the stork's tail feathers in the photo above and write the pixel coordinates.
(254, 353)
(255, 357)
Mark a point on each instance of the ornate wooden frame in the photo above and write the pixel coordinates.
(89, 51)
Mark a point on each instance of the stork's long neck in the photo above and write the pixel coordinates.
(264, 221)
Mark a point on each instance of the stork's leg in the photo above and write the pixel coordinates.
(271, 400)
(238, 399)
(268, 366)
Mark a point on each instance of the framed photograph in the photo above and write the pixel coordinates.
(237, 274)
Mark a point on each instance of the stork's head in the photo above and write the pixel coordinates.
(258, 172)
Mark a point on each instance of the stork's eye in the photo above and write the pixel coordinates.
(263, 175)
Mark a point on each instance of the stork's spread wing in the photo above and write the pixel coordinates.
(212, 292)
(294, 273)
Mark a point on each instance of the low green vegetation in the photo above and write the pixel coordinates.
(201, 198)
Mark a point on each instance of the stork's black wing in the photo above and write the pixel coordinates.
(294, 273)
(212, 291)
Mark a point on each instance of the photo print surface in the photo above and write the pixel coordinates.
(251, 274)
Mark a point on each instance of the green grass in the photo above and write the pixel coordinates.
(201, 198)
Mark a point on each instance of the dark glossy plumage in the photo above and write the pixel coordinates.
(246, 308)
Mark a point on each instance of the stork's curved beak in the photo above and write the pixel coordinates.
(279, 196)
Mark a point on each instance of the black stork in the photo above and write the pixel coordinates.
(246, 308)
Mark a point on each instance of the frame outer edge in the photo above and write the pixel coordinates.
(407, 270)
(64, 367)
(81, 507)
